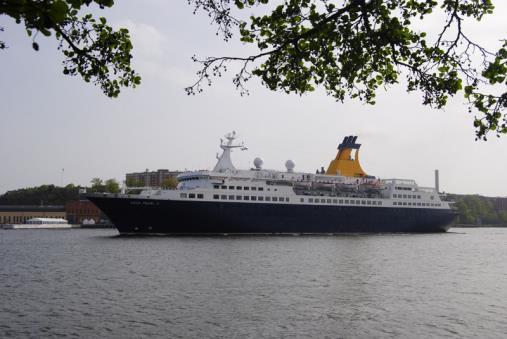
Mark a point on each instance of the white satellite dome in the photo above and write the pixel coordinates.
(258, 162)
(289, 164)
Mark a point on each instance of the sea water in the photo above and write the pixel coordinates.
(93, 283)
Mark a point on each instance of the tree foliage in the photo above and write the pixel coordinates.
(92, 49)
(112, 186)
(101, 186)
(473, 209)
(45, 194)
(353, 47)
(132, 182)
(169, 183)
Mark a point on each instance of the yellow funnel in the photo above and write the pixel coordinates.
(344, 164)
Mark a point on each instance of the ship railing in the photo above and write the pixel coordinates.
(393, 181)
(427, 189)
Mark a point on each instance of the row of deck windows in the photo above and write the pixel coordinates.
(415, 204)
(409, 196)
(239, 188)
(344, 201)
(192, 195)
(247, 197)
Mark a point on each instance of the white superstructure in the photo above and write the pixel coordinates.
(225, 183)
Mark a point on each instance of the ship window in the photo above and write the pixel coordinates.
(395, 203)
(200, 196)
(317, 200)
(368, 202)
(231, 197)
(191, 195)
(261, 198)
(183, 195)
(224, 187)
(276, 189)
(380, 202)
(328, 201)
(341, 201)
(310, 200)
(246, 197)
(418, 197)
(253, 198)
(363, 202)
(431, 197)
(215, 196)
(346, 201)
(216, 186)
(404, 204)
(275, 199)
(238, 188)
(302, 199)
(268, 198)
(286, 199)
(223, 196)
(418, 204)
(254, 188)
(231, 187)
(404, 195)
(239, 197)
(246, 188)
(261, 188)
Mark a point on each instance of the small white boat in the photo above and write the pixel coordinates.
(40, 223)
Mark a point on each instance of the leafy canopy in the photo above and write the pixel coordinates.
(353, 47)
(91, 48)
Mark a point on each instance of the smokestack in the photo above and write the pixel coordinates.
(437, 183)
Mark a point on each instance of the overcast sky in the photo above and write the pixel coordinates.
(50, 122)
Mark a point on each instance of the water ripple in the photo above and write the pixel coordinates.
(92, 283)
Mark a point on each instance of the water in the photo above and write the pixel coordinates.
(92, 283)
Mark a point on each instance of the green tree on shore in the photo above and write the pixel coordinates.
(45, 194)
(170, 183)
(112, 186)
(97, 185)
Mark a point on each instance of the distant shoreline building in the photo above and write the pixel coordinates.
(150, 178)
(18, 214)
(79, 211)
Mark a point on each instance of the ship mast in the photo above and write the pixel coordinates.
(224, 161)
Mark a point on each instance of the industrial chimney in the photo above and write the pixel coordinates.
(437, 184)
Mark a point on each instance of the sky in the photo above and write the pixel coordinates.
(56, 129)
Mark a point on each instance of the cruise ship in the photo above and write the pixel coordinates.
(226, 200)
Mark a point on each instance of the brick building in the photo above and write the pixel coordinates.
(77, 211)
(18, 214)
(149, 178)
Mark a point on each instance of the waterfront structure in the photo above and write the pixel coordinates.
(227, 200)
(18, 214)
(81, 211)
(148, 178)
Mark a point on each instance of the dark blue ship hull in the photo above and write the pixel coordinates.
(148, 216)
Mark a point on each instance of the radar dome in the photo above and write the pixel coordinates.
(258, 162)
(289, 164)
